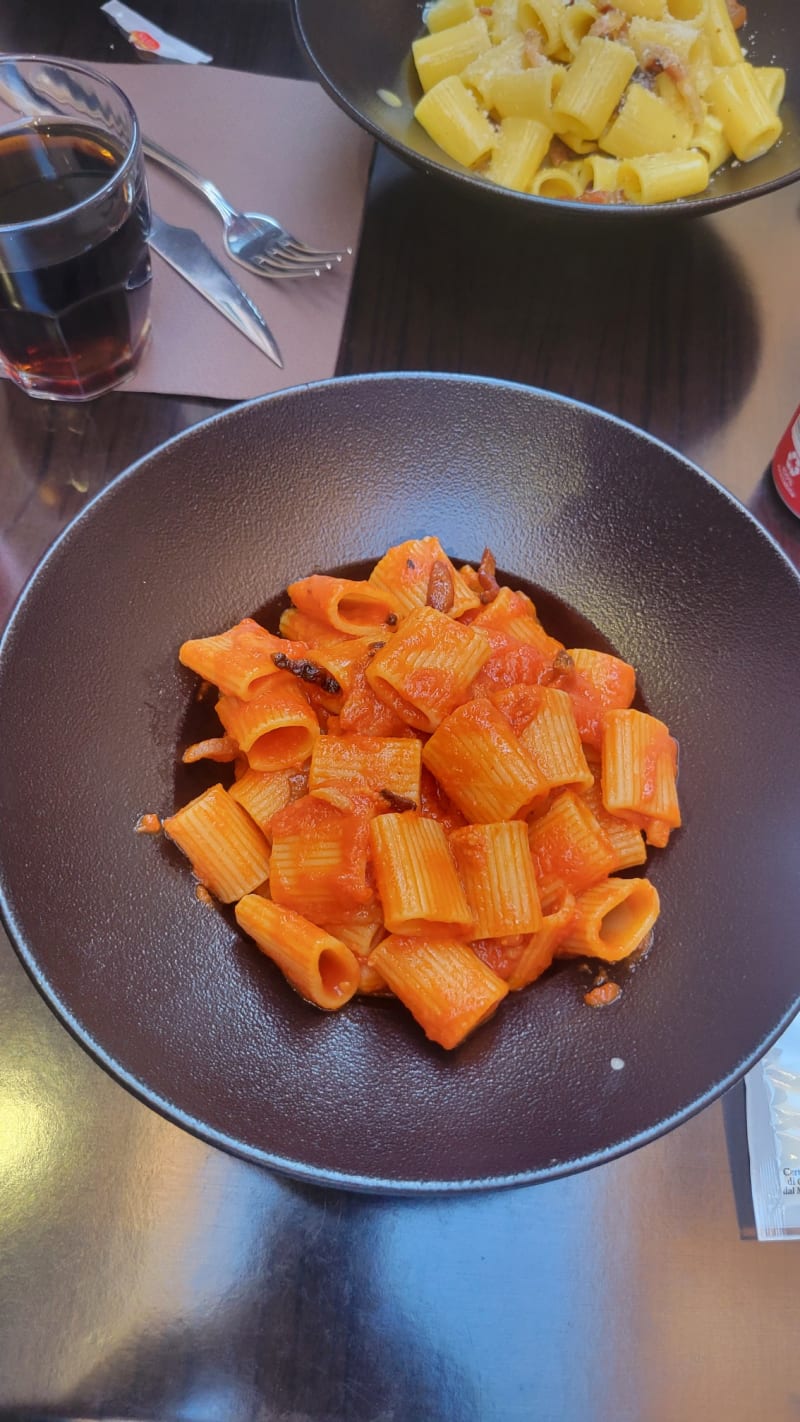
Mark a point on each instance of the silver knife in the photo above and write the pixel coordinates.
(186, 251)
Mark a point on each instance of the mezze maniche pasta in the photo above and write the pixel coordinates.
(632, 101)
(430, 795)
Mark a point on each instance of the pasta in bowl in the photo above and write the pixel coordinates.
(434, 798)
(637, 102)
(607, 532)
(649, 106)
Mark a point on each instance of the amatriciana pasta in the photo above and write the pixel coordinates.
(431, 796)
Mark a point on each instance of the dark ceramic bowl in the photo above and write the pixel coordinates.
(358, 49)
(622, 535)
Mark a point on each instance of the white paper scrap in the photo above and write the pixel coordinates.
(773, 1137)
(149, 39)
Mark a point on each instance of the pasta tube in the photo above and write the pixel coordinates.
(594, 85)
(354, 608)
(648, 9)
(570, 849)
(527, 94)
(551, 737)
(449, 113)
(568, 181)
(276, 727)
(315, 634)
(608, 678)
(611, 920)
(501, 59)
(711, 141)
(239, 660)
(445, 13)
(227, 852)
(444, 985)
(749, 121)
(519, 151)
(683, 41)
(425, 670)
(646, 124)
(772, 83)
(320, 967)
(496, 870)
(405, 573)
(540, 949)
(481, 765)
(515, 615)
(640, 761)
(663, 177)
(319, 860)
(360, 936)
(604, 177)
(416, 877)
(262, 793)
(368, 764)
(694, 10)
(443, 55)
(502, 21)
(627, 841)
(576, 22)
(544, 17)
(725, 47)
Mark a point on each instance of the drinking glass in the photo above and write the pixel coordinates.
(74, 221)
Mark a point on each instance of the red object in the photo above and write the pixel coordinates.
(786, 465)
(142, 40)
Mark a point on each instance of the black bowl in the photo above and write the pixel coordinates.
(358, 49)
(622, 533)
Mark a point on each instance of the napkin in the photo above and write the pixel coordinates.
(278, 146)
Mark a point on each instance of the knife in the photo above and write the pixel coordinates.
(186, 251)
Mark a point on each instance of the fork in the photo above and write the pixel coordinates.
(254, 240)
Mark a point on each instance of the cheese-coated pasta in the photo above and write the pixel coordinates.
(595, 83)
(445, 13)
(518, 152)
(663, 177)
(749, 121)
(568, 180)
(634, 81)
(445, 54)
(646, 124)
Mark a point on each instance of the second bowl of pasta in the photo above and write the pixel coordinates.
(632, 106)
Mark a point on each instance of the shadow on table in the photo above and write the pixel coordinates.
(635, 317)
(310, 1332)
(735, 1119)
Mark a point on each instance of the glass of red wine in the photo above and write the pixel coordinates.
(74, 221)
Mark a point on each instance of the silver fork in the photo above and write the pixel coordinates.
(252, 239)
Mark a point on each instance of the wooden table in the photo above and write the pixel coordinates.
(146, 1276)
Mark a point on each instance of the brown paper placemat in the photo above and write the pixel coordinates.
(278, 146)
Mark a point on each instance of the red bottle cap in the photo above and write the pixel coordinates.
(786, 465)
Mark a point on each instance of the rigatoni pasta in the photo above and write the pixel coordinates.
(431, 797)
(417, 880)
(319, 966)
(521, 90)
(229, 854)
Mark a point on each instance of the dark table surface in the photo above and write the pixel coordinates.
(144, 1275)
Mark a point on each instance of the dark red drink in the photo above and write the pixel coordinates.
(74, 260)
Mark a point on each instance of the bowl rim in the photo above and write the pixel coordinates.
(293, 1168)
(475, 184)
